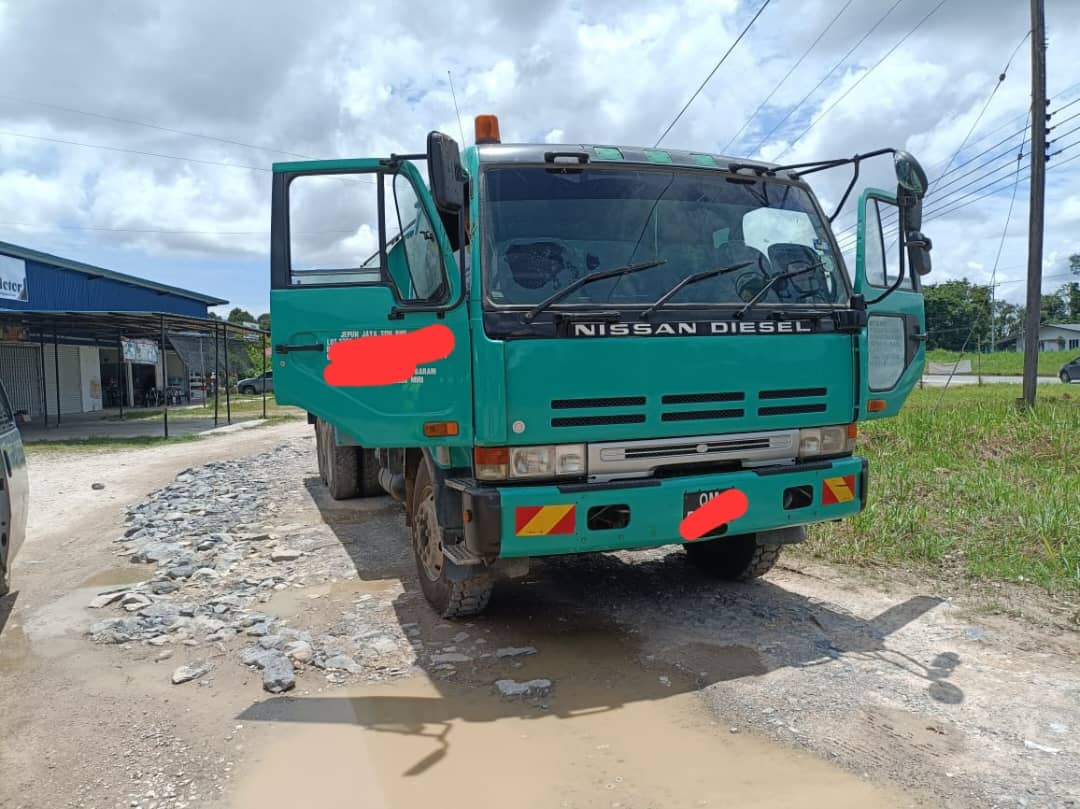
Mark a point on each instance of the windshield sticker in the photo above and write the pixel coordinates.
(822, 246)
(692, 329)
(387, 359)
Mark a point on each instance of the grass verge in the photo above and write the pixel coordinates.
(978, 489)
(103, 443)
(240, 407)
(1005, 363)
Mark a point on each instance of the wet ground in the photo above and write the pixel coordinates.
(660, 687)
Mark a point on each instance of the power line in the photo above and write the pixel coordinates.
(860, 80)
(133, 122)
(787, 75)
(824, 78)
(982, 112)
(160, 155)
(132, 151)
(711, 72)
(935, 193)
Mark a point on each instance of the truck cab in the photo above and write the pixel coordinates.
(555, 349)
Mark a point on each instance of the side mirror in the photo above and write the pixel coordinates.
(911, 186)
(445, 173)
(919, 246)
(909, 174)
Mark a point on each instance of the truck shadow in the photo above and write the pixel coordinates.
(609, 629)
(7, 605)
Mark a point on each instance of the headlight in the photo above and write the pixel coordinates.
(517, 463)
(839, 440)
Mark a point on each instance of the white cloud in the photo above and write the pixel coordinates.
(335, 78)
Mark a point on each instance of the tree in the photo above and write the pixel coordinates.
(213, 316)
(1008, 319)
(1054, 308)
(1070, 294)
(240, 316)
(264, 321)
(1074, 263)
(957, 312)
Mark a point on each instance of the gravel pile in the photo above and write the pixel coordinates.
(216, 555)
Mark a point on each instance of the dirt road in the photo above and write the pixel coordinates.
(642, 683)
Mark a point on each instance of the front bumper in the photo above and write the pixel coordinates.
(494, 527)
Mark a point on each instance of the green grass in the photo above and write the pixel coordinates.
(979, 489)
(1005, 363)
(240, 406)
(100, 443)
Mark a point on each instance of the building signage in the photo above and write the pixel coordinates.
(142, 352)
(13, 279)
(692, 329)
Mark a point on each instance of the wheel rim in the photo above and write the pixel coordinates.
(1065, 378)
(427, 538)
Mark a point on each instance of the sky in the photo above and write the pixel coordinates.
(249, 82)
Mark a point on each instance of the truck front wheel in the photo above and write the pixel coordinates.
(738, 558)
(449, 598)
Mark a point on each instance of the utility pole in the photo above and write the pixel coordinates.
(1038, 189)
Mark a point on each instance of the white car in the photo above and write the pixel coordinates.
(14, 496)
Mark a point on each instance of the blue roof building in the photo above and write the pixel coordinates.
(45, 341)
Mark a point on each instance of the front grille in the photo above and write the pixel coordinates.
(614, 458)
(790, 410)
(589, 421)
(609, 401)
(698, 398)
(693, 415)
(792, 393)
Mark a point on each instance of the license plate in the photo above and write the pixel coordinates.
(692, 501)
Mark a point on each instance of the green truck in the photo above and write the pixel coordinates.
(623, 334)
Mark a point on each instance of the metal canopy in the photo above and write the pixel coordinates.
(113, 325)
(108, 327)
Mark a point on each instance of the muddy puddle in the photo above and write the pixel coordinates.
(615, 729)
(288, 603)
(116, 577)
(417, 743)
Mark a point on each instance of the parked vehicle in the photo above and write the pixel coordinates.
(256, 384)
(631, 333)
(14, 499)
(1070, 371)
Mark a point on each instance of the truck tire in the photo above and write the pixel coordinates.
(738, 558)
(341, 465)
(450, 599)
(369, 474)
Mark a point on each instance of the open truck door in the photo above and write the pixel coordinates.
(14, 490)
(892, 347)
(359, 249)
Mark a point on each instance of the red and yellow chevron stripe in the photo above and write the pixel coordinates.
(837, 490)
(537, 521)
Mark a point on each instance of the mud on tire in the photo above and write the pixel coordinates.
(450, 599)
(738, 558)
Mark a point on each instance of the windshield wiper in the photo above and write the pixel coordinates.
(599, 275)
(692, 279)
(772, 282)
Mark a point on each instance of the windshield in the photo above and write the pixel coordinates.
(546, 228)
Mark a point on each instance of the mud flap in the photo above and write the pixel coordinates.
(782, 536)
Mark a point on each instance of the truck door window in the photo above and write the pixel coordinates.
(334, 234)
(881, 255)
(422, 258)
(334, 229)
